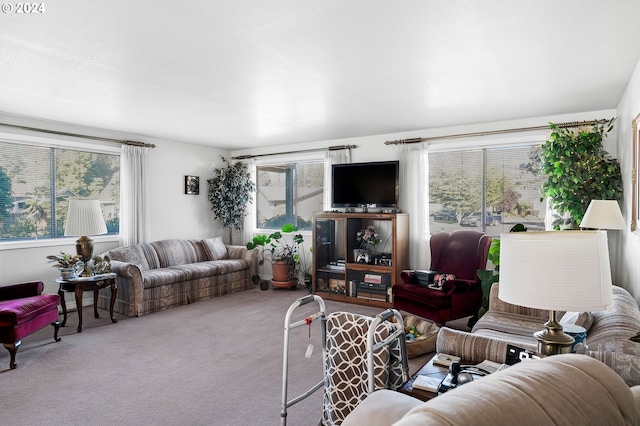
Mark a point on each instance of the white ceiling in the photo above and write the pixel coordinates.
(238, 74)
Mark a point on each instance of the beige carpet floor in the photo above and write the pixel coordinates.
(214, 362)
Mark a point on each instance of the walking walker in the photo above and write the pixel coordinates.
(374, 348)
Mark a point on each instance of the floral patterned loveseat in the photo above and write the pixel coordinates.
(608, 333)
(169, 273)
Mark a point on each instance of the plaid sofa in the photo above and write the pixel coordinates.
(168, 273)
(608, 333)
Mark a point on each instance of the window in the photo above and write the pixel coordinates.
(489, 189)
(36, 182)
(289, 193)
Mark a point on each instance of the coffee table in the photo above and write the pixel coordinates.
(81, 284)
(429, 369)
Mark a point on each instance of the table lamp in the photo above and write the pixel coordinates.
(555, 270)
(603, 214)
(84, 218)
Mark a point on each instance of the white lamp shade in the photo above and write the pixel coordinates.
(603, 214)
(556, 270)
(84, 217)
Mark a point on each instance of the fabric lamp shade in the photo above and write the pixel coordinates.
(556, 270)
(603, 214)
(84, 217)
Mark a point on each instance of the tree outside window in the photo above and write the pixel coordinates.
(289, 193)
(36, 183)
(486, 189)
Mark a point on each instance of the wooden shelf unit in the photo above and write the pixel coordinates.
(336, 273)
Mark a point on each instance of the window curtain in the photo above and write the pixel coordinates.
(414, 200)
(338, 156)
(134, 206)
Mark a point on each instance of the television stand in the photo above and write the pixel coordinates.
(346, 271)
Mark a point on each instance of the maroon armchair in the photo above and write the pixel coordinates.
(461, 253)
(24, 310)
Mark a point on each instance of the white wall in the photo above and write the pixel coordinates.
(174, 214)
(626, 249)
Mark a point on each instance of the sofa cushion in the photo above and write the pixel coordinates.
(19, 311)
(143, 255)
(175, 252)
(509, 323)
(215, 248)
(435, 299)
(163, 276)
(582, 319)
(212, 267)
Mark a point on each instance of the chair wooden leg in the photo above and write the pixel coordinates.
(56, 328)
(13, 349)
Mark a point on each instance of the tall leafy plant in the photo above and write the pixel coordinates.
(230, 189)
(579, 170)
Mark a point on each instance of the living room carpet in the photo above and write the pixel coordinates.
(214, 362)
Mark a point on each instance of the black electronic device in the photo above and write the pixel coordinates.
(366, 185)
(426, 277)
(459, 375)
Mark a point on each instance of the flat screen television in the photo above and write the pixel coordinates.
(365, 184)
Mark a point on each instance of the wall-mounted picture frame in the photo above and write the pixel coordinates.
(192, 185)
(635, 185)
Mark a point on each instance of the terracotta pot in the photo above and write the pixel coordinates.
(281, 271)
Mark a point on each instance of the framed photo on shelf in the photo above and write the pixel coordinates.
(192, 185)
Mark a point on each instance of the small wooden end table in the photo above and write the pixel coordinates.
(79, 285)
(429, 369)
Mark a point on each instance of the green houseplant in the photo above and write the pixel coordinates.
(490, 276)
(280, 252)
(230, 190)
(578, 170)
(68, 264)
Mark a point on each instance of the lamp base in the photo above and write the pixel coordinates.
(84, 249)
(552, 340)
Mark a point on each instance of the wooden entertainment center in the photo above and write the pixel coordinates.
(342, 274)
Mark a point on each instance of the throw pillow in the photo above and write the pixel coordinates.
(440, 279)
(215, 248)
(583, 319)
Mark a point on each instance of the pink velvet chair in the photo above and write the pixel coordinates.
(461, 253)
(24, 310)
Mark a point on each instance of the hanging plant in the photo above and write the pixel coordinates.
(230, 189)
(579, 170)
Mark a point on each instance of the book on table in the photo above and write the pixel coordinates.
(427, 383)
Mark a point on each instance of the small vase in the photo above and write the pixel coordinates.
(67, 273)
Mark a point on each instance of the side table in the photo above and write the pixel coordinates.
(429, 369)
(79, 285)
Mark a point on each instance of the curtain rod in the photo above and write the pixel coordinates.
(77, 135)
(331, 148)
(495, 132)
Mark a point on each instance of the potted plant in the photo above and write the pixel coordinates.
(68, 264)
(229, 192)
(284, 256)
(490, 276)
(579, 170)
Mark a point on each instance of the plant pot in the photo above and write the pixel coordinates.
(281, 271)
(67, 273)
